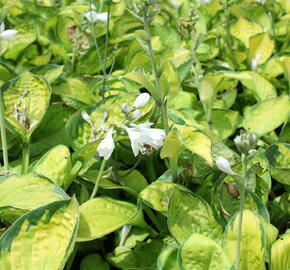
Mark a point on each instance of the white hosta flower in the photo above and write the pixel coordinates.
(225, 64)
(93, 16)
(141, 100)
(124, 233)
(261, 1)
(255, 61)
(106, 146)
(142, 137)
(224, 165)
(7, 34)
(137, 114)
(204, 2)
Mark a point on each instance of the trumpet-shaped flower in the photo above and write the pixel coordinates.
(143, 137)
(7, 34)
(224, 165)
(93, 16)
(141, 100)
(106, 146)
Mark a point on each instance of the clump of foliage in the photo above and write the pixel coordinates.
(145, 134)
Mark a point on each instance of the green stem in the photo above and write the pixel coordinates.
(242, 204)
(3, 136)
(25, 157)
(160, 102)
(96, 187)
(150, 168)
(106, 46)
(95, 41)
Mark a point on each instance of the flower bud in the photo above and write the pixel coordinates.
(125, 108)
(245, 142)
(124, 233)
(137, 114)
(141, 100)
(224, 165)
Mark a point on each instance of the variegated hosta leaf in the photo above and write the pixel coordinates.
(56, 165)
(103, 215)
(201, 252)
(42, 239)
(188, 214)
(158, 194)
(280, 251)
(278, 156)
(25, 99)
(267, 115)
(21, 193)
(253, 242)
(167, 259)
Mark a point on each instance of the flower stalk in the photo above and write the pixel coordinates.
(97, 184)
(242, 205)
(3, 136)
(160, 100)
(25, 157)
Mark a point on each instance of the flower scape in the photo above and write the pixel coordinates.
(144, 134)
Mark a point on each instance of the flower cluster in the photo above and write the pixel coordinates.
(143, 138)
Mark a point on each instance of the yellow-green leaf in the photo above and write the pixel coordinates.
(261, 47)
(280, 250)
(158, 194)
(252, 244)
(172, 144)
(243, 29)
(188, 214)
(103, 215)
(278, 156)
(169, 80)
(197, 141)
(56, 165)
(199, 252)
(42, 239)
(21, 193)
(267, 115)
(25, 99)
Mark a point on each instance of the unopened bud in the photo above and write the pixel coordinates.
(141, 100)
(125, 231)
(224, 165)
(125, 108)
(245, 142)
(252, 152)
(105, 116)
(137, 114)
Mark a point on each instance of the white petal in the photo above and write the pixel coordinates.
(2, 27)
(141, 100)
(134, 138)
(102, 16)
(224, 165)
(8, 34)
(106, 146)
(144, 125)
(91, 16)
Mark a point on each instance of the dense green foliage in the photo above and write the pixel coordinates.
(88, 183)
